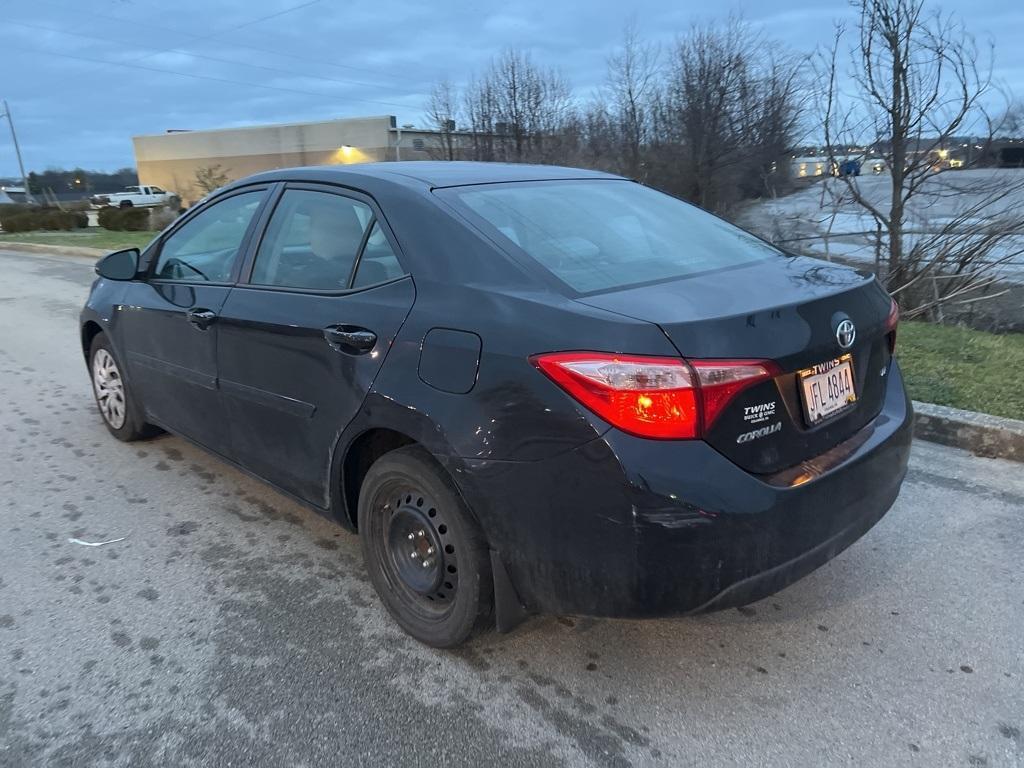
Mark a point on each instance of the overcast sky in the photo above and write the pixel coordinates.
(83, 77)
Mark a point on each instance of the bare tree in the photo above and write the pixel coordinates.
(443, 112)
(913, 82)
(480, 110)
(517, 110)
(708, 71)
(1011, 125)
(710, 126)
(631, 85)
(728, 113)
(532, 104)
(211, 178)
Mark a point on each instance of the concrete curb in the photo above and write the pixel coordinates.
(58, 250)
(979, 433)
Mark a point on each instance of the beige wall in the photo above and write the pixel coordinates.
(170, 160)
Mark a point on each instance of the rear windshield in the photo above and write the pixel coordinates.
(603, 234)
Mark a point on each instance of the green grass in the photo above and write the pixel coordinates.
(90, 238)
(963, 368)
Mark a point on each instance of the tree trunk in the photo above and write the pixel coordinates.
(899, 161)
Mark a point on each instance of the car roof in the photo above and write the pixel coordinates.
(430, 173)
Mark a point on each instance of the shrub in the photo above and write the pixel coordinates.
(31, 219)
(9, 208)
(109, 218)
(124, 219)
(17, 222)
(160, 218)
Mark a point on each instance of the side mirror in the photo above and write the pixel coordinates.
(119, 265)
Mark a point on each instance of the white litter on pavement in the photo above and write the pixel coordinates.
(95, 543)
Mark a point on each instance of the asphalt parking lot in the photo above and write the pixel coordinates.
(233, 627)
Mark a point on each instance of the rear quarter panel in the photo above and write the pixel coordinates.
(513, 412)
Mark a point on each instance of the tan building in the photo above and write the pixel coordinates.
(170, 160)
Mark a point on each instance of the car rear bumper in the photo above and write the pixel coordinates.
(629, 527)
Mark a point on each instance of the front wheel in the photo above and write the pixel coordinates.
(425, 554)
(121, 412)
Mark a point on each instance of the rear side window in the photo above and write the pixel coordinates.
(599, 235)
(312, 241)
(378, 262)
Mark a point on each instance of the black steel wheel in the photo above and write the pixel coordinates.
(425, 553)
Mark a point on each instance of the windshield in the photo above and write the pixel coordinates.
(599, 235)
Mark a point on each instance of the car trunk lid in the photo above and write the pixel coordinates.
(786, 311)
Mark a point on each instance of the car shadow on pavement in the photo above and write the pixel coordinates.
(297, 594)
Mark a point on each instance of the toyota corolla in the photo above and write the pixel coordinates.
(528, 389)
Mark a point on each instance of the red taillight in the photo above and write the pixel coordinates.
(722, 380)
(890, 325)
(658, 397)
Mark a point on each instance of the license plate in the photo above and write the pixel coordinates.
(827, 388)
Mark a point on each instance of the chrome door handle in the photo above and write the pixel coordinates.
(350, 339)
(201, 318)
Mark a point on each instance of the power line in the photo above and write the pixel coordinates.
(261, 19)
(215, 33)
(204, 57)
(250, 23)
(282, 89)
(121, 19)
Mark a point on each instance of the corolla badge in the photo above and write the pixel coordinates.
(846, 332)
(754, 434)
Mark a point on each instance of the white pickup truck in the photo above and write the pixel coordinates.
(145, 196)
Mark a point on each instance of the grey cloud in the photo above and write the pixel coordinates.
(334, 59)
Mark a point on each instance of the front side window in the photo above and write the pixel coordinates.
(312, 241)
(204, 248)
(602, 235)
(156, 190)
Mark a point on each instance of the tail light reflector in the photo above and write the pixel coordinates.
(657, 397)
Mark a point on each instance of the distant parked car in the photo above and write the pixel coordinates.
(849, 168)
(141, 197)
(528, 388)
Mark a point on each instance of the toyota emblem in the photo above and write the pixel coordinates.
(846, 332)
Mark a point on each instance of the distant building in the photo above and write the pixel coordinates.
(811, 166)
(170, 160)
(11, 194)
(1011, 156)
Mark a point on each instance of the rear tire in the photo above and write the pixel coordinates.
(126, 204)
(425, 553)
(119, 408)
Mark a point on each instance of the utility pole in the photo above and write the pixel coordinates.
(17, 151)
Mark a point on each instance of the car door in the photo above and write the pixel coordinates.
(305, 332)
(168, 324)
